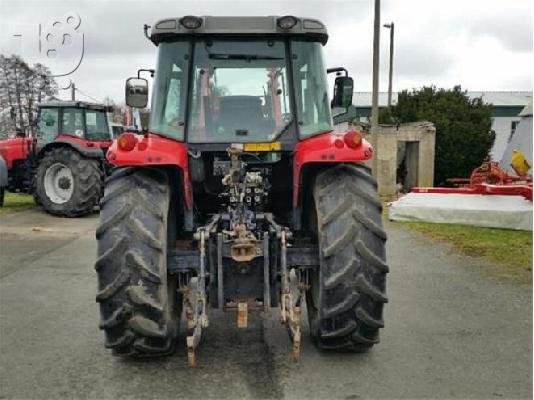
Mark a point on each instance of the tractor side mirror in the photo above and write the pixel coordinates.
(343, 88)
(136, 92)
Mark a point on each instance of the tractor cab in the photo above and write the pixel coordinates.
(72, 119)
(240, 80)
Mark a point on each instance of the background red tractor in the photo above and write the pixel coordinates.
(240, 179)
(63, 164)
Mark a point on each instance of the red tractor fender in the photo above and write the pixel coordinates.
(327, 148)
(87, 148)
(153, 150)
(102, 144)
(15, 149)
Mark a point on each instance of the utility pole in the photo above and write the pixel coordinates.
(374, 110)
(391, 28)
(72, 91)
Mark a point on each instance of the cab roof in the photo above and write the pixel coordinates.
(74, 104)
(173, 28)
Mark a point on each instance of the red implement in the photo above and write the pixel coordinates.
(482, 188)
(490, 179)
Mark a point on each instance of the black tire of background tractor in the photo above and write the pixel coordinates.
(88, 182)
(2, 191)
(139, 308)
(36, 199)
(33, 190)
(347, 295)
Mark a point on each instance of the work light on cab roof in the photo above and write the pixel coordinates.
(191, 22)
(286, 22)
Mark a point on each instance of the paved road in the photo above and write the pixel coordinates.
(455, 328)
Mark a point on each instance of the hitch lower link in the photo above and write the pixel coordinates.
(289, 309)
(195, 306)
(194, 302)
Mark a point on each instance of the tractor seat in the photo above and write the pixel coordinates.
(241, 113)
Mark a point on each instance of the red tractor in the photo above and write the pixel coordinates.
(239, 181)
(64, 163)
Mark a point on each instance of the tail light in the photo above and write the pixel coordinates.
(353, 139)
(126, 141)
(339, 143)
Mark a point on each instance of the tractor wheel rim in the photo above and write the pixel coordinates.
(58, 183)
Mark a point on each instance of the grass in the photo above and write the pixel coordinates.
(512, 249)
(14, 202)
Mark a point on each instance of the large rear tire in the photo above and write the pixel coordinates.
(139, 307)
(347, 295)
(68, 184)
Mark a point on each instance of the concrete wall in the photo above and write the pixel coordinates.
(389, 136)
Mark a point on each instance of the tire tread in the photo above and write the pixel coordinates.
(131, 264)
(346, 310)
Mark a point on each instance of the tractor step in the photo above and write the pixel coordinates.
(242, 315)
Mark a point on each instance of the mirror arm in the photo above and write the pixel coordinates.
(337, 69)
(152, 71)
(145, 30)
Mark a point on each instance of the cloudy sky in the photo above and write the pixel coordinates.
(479, 44)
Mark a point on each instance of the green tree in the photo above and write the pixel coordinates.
(385, 116)
(463, 127)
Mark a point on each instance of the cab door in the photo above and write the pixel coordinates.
(47, 126)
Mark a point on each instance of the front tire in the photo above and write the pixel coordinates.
(139, 306)
(347, 295)
(68, 184)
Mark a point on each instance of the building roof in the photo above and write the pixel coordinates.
(527, 111)
(504, 98)
(364, 99)
(497, 98)
(75, 104)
